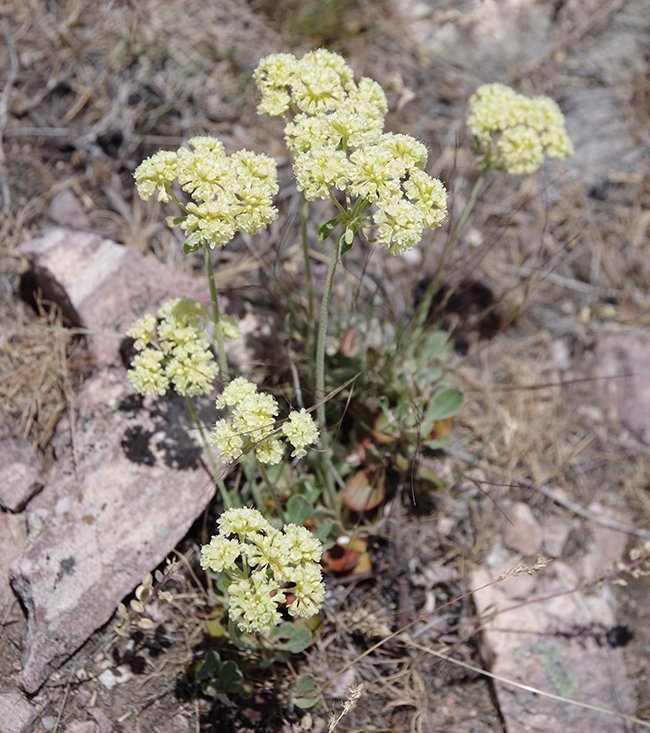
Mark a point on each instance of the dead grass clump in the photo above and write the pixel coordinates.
(36, 358)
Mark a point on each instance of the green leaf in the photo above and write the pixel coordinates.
(328, 227)
(230, 677)
(324, 531)
(444, 404)
(432, 346)
(299, 509)
(209, 667)
(303, 684)
(187, 247)
(291, 638)
(174, 221)
(304, 703)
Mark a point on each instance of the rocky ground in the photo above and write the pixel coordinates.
(549, 311)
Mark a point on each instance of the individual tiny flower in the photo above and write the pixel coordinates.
(513, 132)
(174, 349)
(265, 568)
(301, 431)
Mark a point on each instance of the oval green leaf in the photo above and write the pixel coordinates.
(444, 404)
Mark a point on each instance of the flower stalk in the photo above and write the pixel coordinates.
(216, 319)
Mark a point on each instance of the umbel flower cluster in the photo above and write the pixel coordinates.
(252, 425)
(512, 132)
(174, 349)
(266, 567)
(335, 132)
(228, 193)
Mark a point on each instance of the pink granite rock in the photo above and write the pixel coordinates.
(66, 210)
(523, 532)
(20, 474)
(128, 481)
(13, 535)
(16, 714)
(553, 635)
(102, 286)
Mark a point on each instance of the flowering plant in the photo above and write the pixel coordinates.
(512, 132)
(173, 350)
(381, 193)
(252, 424)
(265, 567)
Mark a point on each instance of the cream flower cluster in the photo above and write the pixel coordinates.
(513, 132)
(336, 136)
(228, 193)
(252, 424)
(173, 349)
(266, 567)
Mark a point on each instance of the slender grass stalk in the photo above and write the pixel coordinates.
(270, 486)
(218, 331)
(223, 491)
(422, 310)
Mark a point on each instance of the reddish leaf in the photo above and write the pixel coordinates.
(348, 341)
(364, 491)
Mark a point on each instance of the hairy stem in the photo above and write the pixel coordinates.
(218, 331)
(270, 486)
(330, 491)
(309, 281)
(322, 338)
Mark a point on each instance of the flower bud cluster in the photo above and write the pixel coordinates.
(512, 132)
(173, 350)
(266, 567)
(336, 136)
(227, 193)
(252, 425)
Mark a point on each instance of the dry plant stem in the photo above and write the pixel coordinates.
(269, 485)
(309, 281)
(223, 491)
(433, 287)
(218, 332)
